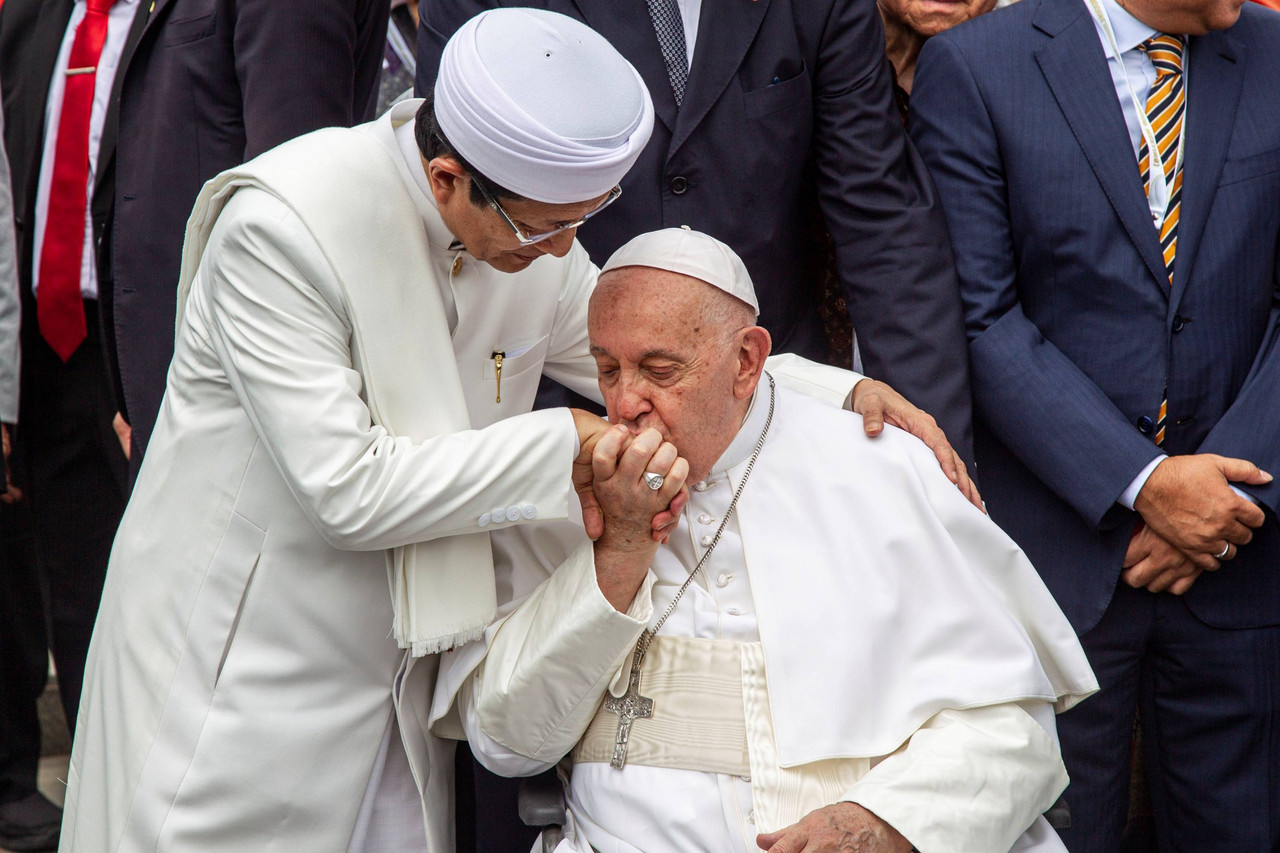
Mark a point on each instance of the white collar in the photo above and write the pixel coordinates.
(740, 449)
(1129, 31)
(400, 119)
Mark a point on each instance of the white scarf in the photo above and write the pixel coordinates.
(344, 187)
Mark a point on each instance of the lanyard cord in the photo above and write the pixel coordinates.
(1154, 160)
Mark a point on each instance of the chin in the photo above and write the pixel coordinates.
(510, 263)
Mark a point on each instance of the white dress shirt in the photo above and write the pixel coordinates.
(1137, 71)
(118, 22)
(690, 11)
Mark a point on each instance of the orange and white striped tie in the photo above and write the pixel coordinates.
(1166, 107)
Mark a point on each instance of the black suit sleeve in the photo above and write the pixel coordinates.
(892, 251)
(340, 41)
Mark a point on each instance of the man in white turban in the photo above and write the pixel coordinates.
(834, 651)
(364, 316)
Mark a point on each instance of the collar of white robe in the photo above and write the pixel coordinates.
(631, 705)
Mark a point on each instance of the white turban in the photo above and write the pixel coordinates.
(690, 253)
(541, 104)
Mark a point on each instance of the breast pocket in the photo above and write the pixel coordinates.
(1251, 166)
(517, 381)
(190, 29)
(777, 97)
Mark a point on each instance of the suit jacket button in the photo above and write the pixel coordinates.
(513, 513)
(1179, 323)
(1145, 425)
(679, 184)
(529, 511)
(484, 520)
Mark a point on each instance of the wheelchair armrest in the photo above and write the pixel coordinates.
(1059, 814)
(540, 802)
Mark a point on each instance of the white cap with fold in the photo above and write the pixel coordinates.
(542, 104)
(690, 253)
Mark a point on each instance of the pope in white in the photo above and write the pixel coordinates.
(833, 651)
(364, 316)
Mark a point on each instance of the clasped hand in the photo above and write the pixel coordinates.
(1193, 521)
(612, 464)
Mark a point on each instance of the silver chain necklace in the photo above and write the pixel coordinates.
(631, 706)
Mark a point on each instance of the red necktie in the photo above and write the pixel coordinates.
(59, 306)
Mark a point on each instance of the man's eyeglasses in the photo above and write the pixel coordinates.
(530, 239)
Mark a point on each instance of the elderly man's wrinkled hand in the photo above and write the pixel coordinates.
(838, 828)
(1153, 563)
(878, 404)
(1188, 502)
(628, 504)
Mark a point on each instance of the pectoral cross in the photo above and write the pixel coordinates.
(629, 707)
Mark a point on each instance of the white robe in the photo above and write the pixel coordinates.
(968, 779)
(242, 677)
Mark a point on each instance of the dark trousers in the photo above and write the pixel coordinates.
(1209, 700)
(76, 479)
(24, 656)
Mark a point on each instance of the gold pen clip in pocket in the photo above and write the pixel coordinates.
(498, 356)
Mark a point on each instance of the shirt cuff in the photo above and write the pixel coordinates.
(1129, 495)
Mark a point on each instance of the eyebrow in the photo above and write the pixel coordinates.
(653, 353)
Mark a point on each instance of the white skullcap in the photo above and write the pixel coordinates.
(691, 253)
(541, 104)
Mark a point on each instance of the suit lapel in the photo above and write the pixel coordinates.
(627, 26)
(1213, 91)
(46, 39)
(110, 128)
(1075, 67)
(154, 10)
(726, 29)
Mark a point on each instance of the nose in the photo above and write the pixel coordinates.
(558, 245)
(630, 401)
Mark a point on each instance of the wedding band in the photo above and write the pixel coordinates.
(1225, 549)
(654, 480)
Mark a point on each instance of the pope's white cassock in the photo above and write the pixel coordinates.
(332, 419)
(861, 632)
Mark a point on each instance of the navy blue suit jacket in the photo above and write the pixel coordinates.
(1074, 329)
(786, 98)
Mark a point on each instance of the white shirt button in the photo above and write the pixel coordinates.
(484, 520)
(499, 515)
(707, 540)
(702, 485)
(705, 519)
(529, 511)
(733, 611)
(746, 779)
(724, 579)
(513, 513)
(751, 817)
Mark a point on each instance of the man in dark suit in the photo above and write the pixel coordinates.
(71, 466)
(210, 84)
(184, 90)
(1125, 353)
(783, 100)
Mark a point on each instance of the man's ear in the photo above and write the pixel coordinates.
(445, 176)
(754, 346)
